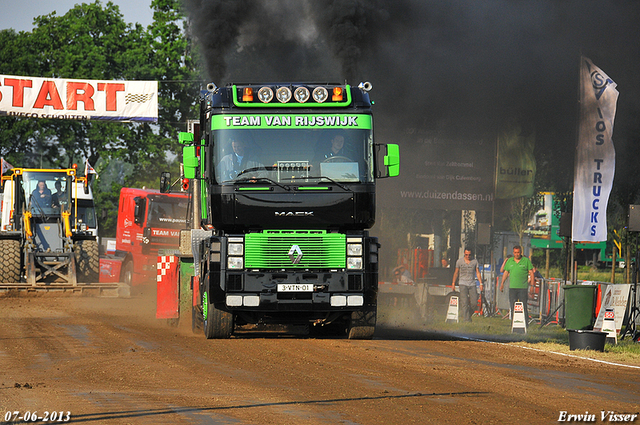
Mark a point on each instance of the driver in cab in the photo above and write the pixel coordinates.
(238, 162)
(336, 149)
(41, 195)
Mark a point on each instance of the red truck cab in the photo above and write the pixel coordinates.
(148, 221)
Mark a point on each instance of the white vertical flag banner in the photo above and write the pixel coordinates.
(35, 97)
(595, 154)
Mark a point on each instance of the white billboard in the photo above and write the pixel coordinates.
(35, 97)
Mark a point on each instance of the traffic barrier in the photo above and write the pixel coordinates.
(452, 312)
(518, 322)
(167, 288)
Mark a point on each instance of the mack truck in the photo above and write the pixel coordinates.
(284, 181)
(45, 239)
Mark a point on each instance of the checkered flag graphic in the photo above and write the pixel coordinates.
(163, 265)
(137, 98)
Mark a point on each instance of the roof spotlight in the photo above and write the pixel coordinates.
(283, 94)
(320, 94)
(265, 94)
(301, 94)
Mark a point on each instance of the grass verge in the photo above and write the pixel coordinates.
(551, 337)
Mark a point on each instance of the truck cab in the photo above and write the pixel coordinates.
(148, 221)
(86, 209)
(288, 186)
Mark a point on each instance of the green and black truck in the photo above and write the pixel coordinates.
(283, 179)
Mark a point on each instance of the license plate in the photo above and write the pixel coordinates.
(295, 287)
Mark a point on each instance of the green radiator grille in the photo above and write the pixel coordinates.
(270, 249)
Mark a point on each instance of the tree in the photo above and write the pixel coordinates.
(522, 210)
(92, 41)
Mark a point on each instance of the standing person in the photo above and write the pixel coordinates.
(467, 269)
(519, 270)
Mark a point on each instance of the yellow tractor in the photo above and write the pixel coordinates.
(44, 239)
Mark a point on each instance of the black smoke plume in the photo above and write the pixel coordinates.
(464, 68)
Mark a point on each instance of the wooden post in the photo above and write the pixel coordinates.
(547, 266)
(613, 265)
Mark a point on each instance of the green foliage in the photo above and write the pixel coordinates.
(92, 41)
(522, 210)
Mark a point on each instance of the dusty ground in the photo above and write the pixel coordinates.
(108, 360)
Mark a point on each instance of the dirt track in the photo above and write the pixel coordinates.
(108, 360)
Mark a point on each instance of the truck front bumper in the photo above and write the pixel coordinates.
(299, 291)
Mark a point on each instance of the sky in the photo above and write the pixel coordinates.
(19, 14)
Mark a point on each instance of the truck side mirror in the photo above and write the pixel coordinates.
(165, 182)
(190, 161)
(185, 138)
(391, 161)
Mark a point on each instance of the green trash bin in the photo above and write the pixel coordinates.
(579, 306)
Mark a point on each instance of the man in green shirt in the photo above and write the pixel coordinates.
(519, 270)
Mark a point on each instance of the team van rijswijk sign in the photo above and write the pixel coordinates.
(279, 121)
(595, 154)
(35, 97)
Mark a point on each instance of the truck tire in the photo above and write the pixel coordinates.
(126, 275)
(362, 324)
(87, 261)
(196, 320)
(218, 324)
(11, 261)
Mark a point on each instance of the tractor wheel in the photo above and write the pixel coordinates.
(362, 324)
(87, 261)
(11, 261)
(218, 324)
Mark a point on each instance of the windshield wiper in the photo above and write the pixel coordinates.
(255, 179)
(340, 185)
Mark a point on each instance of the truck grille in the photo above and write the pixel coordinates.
(270, 249)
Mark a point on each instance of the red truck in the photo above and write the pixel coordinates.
(148, 221)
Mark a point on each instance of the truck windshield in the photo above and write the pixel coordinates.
(168, 213)
(293, 155)
(47, 193)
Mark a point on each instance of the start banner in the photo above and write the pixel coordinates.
(35, 97)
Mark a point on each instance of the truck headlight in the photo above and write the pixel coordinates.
(235, 252)
(235, 249)
(354, 249)
(320, 94)
(265, 94)
(354, 262)
(283, 94)
(354, 253)
(235, 262)
(301, 94)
